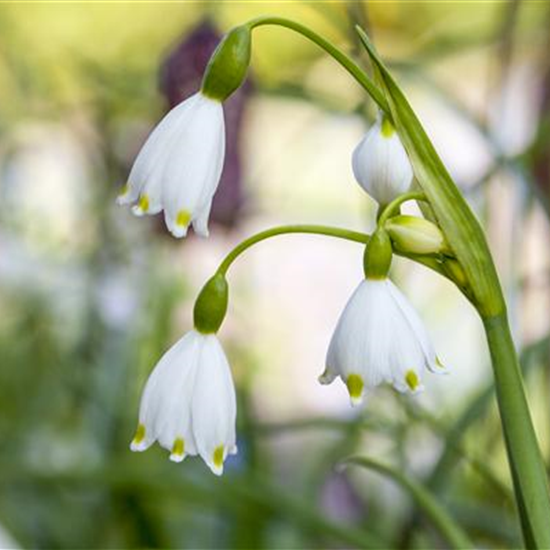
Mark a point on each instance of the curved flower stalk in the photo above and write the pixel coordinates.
(177, 402)
(380, 163)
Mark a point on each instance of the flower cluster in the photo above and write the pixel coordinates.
(379, 337)
(188, 403)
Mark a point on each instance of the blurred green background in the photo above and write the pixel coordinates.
(90, 296)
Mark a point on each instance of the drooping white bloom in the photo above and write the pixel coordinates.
(379, 338)
(179, 167)
(380, 163)
(188, 404)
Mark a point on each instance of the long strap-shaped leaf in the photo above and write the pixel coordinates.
(445, 524)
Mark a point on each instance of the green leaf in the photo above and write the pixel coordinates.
(435, 512)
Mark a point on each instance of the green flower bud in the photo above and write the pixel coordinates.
(378, 255)
(211, 305)
(227, 67)
(416, 235)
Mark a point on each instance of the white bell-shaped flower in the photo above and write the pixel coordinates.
(188, 404)
(380, 163)
(379, 338)
(179, 167)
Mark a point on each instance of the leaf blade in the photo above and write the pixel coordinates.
(438, 516)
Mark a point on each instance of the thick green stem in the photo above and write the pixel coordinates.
(347, 62)
(526, 463)
(347, 234)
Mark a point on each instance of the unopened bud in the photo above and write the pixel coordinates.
(380, 164)
(228, 65)
(416, 235)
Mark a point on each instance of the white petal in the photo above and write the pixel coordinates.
(362, 335)
(375, 342)
(165, 410)
(179, 167)
(128, 195)
(200, 221)
(406, 356)
(142, 440)
(381, 165)
(194, 170)
(417, 326)
(149, 202)
(330, 373)
(178, 230)
(214, 405)
(153, 154)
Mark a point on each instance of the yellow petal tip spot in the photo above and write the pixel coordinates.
(355, 386)
(140, 435)
(178, 449)
(411, 378)
(183, 218)
(387, 128)
(439, 363)
(217, 457)
(144, 203)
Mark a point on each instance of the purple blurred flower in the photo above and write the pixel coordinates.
(339, 500)
(180, 76)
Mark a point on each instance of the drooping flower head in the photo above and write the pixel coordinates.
(180, 75)
(380, 164)
(379, 337)
(188, 404)
(179, 167)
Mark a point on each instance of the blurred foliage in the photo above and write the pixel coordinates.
(74, 350)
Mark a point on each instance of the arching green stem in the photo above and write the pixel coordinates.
(392, 207)
(337, 232)
(328, 231)
(347, 62)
